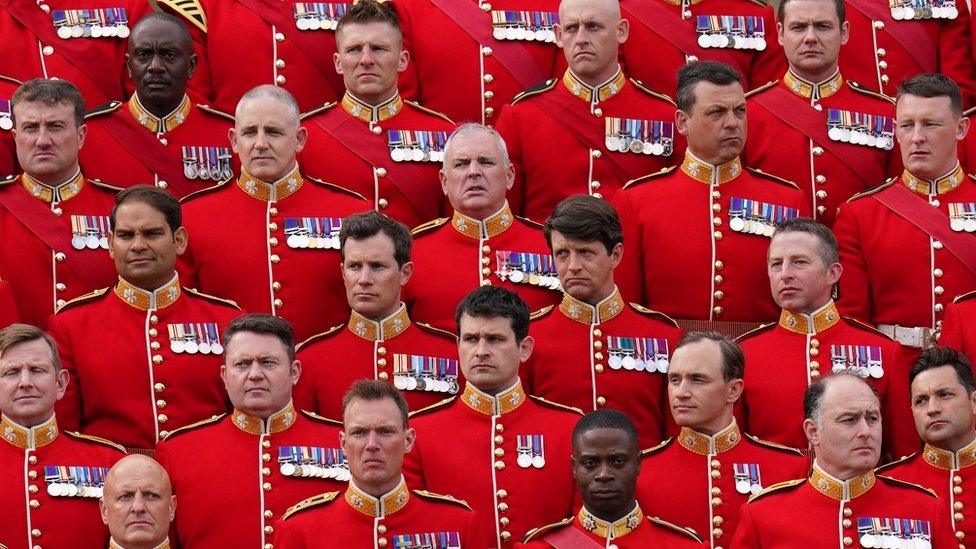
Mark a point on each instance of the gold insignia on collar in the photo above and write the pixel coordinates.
(383, 506)
(53, 194)
(703, 444)
(155, 124)
(819, 321)
(594, 94)
(369, 113)
(276, 422)
(584, 313)
(704, 172)
(810, 90)
(500, 404)
(835, 488)
(28, 438)
(939, 185)
(278, 190)
(145, 300)
(384, 329)
(492, 226)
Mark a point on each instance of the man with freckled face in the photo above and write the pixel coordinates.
(138, 504)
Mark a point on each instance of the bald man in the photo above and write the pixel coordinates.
(138, 504)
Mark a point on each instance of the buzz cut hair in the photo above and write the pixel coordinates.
(826, 241)
(605, 418)
(471, 128)
(364, 12)
(271, 92)
(932, 84)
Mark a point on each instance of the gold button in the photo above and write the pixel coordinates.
(957, 490)
(383, 375)
(717, 235)
(503, 507)
(598, 368)
(719, 265)
(268, 530)
(600, 401)
(818, 151)
(814, 352)
(161, 403)
(597, 332)
(59, 257)
(846, 523)
(377, 130)
(383, 203)
(499, 439)
(48, 50)
(273, 241)
(265, 471)
(598, 112)
(276, 286)
(153, 332)
(381, 172)
(273, 226)
(938, 307)
(848, 541)
(486, 271)
(885, 79)
(957, 517)
(815, 373)
(266, 457)
(489, 111)
(957, 505)
(36, 533)
(489, 95)
(715, 464)
(266, 443)
(820, 179)
(959, 536)
(848, 512)
(32, 489)
(504, 521)
(597, 356)
(938, 290)
(718, 310)
(719, 294)
(821, 194)
(273, 211)
(506, 536)
(266, 486)
(163, 434)
(716, 474)
(716, 195)
(500, 428)
(717, 520)
(937, 273)
(60, 286)
(956, 479)
(716, 207)
(881, 51)
(381, 351)
(717, 532)
(32, 475)
(381, 529)
(716, 491)
(814, 365)
(596, 154)
(154, 345)
(717, 221)
(32, 460)
(716, 502)
(718, 279)
(279, 37)
(162, 418)
(275, 258)
(502, 494)
(486, 249)
(499, 465)
(280, 63)
(159, 387)
(499, 452)
(34, 504)
(157, 359)
(488, 78)
(381, 542)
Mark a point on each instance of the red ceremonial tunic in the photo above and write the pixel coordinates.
(913, 291)
(39, 510)
(44, 278)
(820, 165)
(783, 359)
(473, 79)
(128, 352)
(588, 125)
(8, 308)
(125, 144)
(360, 520)
(8, 150)
(632, 531)
(653, 58)
(586, 356)
(958, 329)
(230, 474)
(714, 476)
(452, 257)
(351, 145)
(824, 511)
(528, 480)
(686, 260)
(967, 147)
(421, 361)
(269, 271)
(951, 475)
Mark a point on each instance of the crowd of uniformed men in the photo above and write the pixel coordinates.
(618, 320)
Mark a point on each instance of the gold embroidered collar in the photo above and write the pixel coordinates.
(368, 113)
(155, 124)
(387, 328)
(500, 404)
(801, 323)
(493, 225)
(28, 438)
(811, 90)
(112, 544)
(703, 444)
(145, 300)
(57, 193)
(584, 313)
(612, 530)
(281, 189)
(944, 459)
(276, 422)
(835, 488)
(383, 506)
(939, 185)
(710, 174)
(594, 94)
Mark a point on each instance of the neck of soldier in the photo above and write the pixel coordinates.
(815, 76)
(385, 313)
(265, 412)
(599, 295)
(59, 178)
(30, 422)
(941, 171)
(812, 306)
(610, 511)
(954, 444)
(161, 107)
(599, 77)
(379, 488)
(481, 214)
(276, 178)
(152, 283)
(716, 424)
(496, 389)
(376, 99)
(837, 470)
(115, 544)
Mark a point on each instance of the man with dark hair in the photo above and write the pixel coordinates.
(606, 462)
(151, 330)
(282, 226)
(594, 350)
(812, 339)
(711, 462)
(833, 135)
(527, 482)
(373, 141)
(159, 136)
(944, 405)
(843, 502)
(699, 232)
(607, 128)
(57, 509)
(52, 217)
(920, 217)
(269, 455)
(378, 507)
(483, 242)
(378, 340)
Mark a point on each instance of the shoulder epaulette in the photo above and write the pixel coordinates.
(861, 89)
(6, 180)
(866, 327)
(529, 222)
(543, 529)
(309, 503)
(664, 97)
(10, 79)
(964, 297)
(317, 110)
(778, 487)
(556, 405)
(84, 299)
(436, 331)
(906, 484)
(675, 528)
(213, 111)
(438, 114)
(969, 112)
(320, 335)
(756, 331)
(213, 298)
(441, 497)
(103, 185)
(895, 463)
(774, 445)
(638, 308)
(192, 426)
(760, 89)
(891, 181)
(655, 449)
(649, 176)
(542, 312)
(106, 108)
(535, 90)
(433, 407)
(190, 9)
(771, 177)
(336, 188)
(97, 440)
(429, 226)
(321, 419)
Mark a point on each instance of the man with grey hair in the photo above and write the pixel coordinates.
(484, 241)
(282, 225)
(373, 141)
(843, 500)
(607, 128)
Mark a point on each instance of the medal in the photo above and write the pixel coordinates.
(538, 452)
(970, 225)
(524, 449)
(6, 123)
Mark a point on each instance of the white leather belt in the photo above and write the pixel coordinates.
(918, 337)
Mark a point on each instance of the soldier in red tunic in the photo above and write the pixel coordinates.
(958, 329)
(138, 504)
